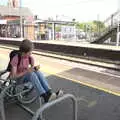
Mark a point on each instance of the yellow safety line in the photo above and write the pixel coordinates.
(83, 83)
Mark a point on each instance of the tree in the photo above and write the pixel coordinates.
(80, 25)
(94, 26)
(99, 25)
(57, 28)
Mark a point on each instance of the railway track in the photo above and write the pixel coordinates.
(113, 65)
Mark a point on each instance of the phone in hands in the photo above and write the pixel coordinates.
(37, 67)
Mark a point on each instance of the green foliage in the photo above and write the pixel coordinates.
(80, 25)
(49, 25)
(93, 26)
(100, 25)
(57, 28)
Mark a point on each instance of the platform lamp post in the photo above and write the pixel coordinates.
(21, 24)
(74, 22)
(118, 32)
(118, 26)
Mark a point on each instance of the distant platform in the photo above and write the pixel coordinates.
(71, 43)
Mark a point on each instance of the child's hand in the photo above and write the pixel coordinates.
(37, 67)
(30, 69)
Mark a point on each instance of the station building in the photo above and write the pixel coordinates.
(10, 16)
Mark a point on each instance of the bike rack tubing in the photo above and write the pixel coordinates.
(26, 108)
(2, 102)
(49, 104)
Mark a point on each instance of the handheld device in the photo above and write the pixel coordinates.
(37, 67)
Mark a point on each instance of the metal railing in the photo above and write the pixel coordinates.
(48, 105)
(111, 23)
(2, 95)
(42, 108)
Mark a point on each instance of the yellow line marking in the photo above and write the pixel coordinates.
(77, 81)
(85, 84)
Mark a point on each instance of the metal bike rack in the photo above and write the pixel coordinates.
(49, 104)
(28, 109)
(2, 94)
(2, 110)
(39, 112)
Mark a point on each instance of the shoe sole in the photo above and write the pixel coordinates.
(52, 97)
(60, 94)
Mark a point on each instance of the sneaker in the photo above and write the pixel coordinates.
(52, 97)
(49, 96)
(59, 93)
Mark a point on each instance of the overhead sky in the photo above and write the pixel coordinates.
(81, 10)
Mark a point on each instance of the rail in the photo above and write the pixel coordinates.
(48, 105)
(2, 94)
(97, 55)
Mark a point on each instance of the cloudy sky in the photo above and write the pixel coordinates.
(81, 10)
